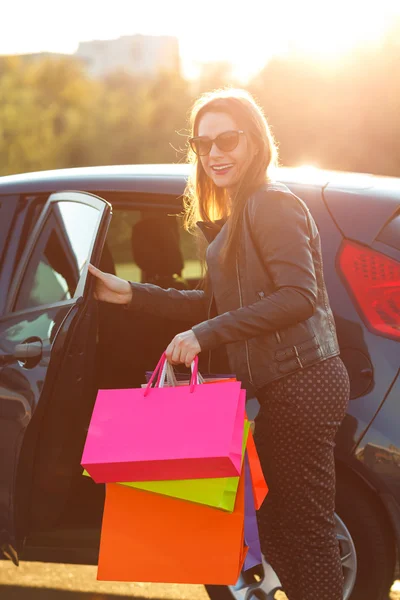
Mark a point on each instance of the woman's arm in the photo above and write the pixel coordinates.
(186, 305)
(280, 229)
(183, 305)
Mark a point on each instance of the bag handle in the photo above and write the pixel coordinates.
(167, 375)
(160, 372)
(200, 379)
(159, 367)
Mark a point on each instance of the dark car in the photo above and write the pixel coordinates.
(58, 346)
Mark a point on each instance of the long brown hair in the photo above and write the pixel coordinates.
(204, 200)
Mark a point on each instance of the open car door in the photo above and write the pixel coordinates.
(47, 361)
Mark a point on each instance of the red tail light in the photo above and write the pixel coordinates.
(374, 280)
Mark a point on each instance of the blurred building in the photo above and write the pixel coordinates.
(142, 55)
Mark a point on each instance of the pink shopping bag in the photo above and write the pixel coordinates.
(154, 434)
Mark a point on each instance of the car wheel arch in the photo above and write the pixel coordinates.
(353, 478)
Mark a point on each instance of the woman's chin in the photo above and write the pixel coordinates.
(223, 182)
(219, 184)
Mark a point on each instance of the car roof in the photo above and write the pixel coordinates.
(135, 178)
(171, 178)
(146, 178)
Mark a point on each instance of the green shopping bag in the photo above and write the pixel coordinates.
(217, 492)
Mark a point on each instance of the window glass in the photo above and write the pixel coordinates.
(7, 208)
(151, 246)
(60, 253)
(192, 264)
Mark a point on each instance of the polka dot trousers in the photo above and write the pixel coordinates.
(294, 433)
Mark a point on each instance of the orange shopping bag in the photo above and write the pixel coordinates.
(149, 537)
(260, 487)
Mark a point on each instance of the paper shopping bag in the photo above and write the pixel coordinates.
(260, 486)
(251, 534)
(149, 537)
(218, 492)
(158, 434)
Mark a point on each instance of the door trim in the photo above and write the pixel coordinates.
(67, 196)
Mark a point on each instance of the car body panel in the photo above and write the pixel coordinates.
(379, 447)
(361, 350)
(362, 206)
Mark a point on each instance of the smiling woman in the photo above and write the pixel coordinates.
(232, 152)
(224, 150)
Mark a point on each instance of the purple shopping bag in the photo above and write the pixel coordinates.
(251, 534)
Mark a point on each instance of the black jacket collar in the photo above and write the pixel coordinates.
(211, 229)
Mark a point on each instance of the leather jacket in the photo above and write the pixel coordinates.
(272, 306)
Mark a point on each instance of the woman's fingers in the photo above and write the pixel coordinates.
(171, 353)
(190, 356)
(99, 280)
(183, 348)
(95, 271)
(176, 355)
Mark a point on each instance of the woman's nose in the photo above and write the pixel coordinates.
(215, 152)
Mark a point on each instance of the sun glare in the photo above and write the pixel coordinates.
(341, 30)
(246, 34)
(307, 174)
(318, 30)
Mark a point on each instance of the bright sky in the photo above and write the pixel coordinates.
(246, 32)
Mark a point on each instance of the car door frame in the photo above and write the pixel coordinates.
(14, 532)
(67, 196)
(81, 547)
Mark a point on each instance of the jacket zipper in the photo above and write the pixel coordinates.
(261, 295)
(208, 318)
(241, 306)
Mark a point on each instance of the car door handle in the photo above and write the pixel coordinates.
(23, 352)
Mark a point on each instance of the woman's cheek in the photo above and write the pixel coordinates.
(204, 164)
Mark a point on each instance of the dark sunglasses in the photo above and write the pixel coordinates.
(226, 141)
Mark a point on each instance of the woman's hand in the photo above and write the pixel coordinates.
(109, 288)
(183, 348)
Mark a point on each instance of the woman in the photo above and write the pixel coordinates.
(266, 301)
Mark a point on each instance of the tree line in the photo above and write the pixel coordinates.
(336, 115)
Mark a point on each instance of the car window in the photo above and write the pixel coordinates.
(192, 269)
(7, 210)
(151, 246)
(61, 250)
(3, 230)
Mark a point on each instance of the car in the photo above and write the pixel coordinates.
(58, 346)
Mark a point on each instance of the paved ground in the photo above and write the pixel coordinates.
(44, 581)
